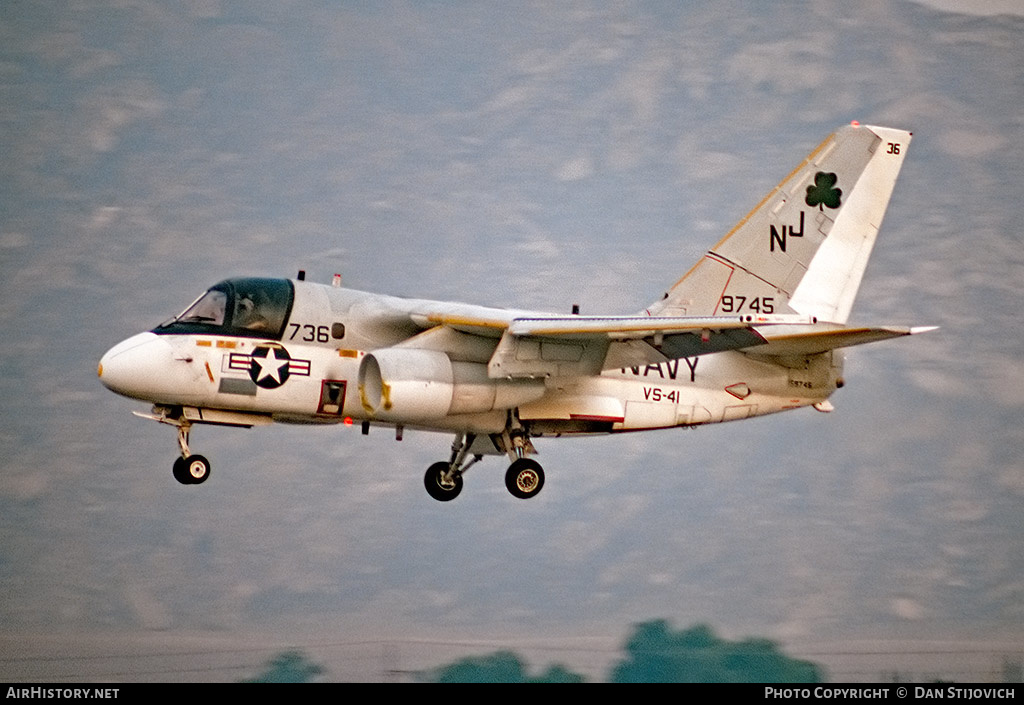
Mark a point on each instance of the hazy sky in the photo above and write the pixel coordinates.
(977, 7)
(520, 154)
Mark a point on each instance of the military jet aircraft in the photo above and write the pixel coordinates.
(757, 326)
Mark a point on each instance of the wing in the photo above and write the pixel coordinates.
(820, 339)
(520, 344)
(567, 346)
(559, 346)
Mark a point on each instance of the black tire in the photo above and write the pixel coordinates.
(524, 478)
(432, 481)
(181, 472)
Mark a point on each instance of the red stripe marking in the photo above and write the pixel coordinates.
(593, 417)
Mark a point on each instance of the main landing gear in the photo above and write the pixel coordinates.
(523, 479)
(444, 480)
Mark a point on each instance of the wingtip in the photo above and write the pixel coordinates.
(922, 329)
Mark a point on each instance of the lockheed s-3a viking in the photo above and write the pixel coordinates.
(757, 326)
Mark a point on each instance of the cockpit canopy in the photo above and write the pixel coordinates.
(249, 307)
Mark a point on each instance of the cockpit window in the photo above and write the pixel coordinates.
(252, 307)
(208, 309)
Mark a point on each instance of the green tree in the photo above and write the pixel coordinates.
(288, 667)
(499, 667)
(657, 654)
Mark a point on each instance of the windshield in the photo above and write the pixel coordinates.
(250, 307)
(209, 308)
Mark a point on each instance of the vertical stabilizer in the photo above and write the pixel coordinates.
(804, 248)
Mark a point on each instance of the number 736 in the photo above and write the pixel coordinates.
(318, 334)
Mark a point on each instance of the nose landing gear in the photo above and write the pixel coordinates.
(189, 469)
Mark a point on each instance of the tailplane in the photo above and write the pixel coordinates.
(804, 248)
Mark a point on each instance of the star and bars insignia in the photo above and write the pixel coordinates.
(269, 366)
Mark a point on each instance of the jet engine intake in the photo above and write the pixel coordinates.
(409, 384)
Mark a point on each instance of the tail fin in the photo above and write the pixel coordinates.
(804, 248)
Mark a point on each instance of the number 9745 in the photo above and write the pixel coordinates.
(739, 304)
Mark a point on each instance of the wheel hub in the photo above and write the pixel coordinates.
(526, 480)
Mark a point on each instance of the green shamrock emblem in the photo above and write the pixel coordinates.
(824, 193)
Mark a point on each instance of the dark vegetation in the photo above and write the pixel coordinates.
(654, 653)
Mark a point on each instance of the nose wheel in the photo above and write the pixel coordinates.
(191, 470)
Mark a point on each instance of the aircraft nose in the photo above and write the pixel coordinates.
(135, 367)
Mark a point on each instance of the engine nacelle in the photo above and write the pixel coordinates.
(406, 384)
